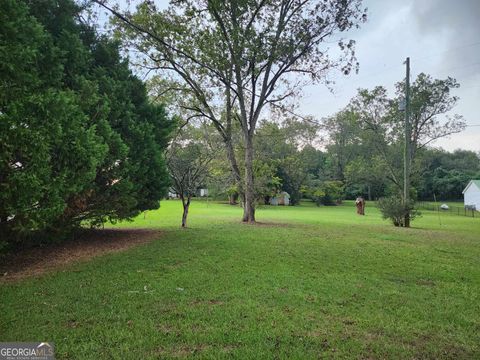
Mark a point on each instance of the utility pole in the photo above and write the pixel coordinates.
(408, 151)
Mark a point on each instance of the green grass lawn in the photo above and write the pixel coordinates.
(306, 283)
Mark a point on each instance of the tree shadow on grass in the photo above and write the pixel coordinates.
(89, 243)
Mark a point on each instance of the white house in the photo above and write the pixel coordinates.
(471, 194)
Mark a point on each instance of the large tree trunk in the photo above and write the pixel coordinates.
(186, 205)
(228, 143)
(233, 160)
(235, 169)
(249, 205)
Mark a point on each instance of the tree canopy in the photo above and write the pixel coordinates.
(235, 57)
(80, 142)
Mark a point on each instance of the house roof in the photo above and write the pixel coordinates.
(476, 182)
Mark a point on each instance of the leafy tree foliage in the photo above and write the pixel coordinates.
(79, 140)
(242, 54)
(446, 174)
(344, 140)
(188, 158)
(363, 151)
(369, 135)
(394, 209)
(281, 146)
(326, 192)
(49, 151)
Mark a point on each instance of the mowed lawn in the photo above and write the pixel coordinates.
(306, 283)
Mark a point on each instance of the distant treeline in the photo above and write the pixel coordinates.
(287, 159)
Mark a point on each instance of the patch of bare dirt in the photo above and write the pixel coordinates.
(90, 243)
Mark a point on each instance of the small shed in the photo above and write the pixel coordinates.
(202, 192)
(282, 198)
(471, 194)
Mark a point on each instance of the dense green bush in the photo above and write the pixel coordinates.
(79, 140)
(317, 195)
(394, 209)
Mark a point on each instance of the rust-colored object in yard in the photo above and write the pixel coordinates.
(360, 204)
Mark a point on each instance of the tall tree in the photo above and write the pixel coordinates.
(132, 176)
(48, 149)
(79, 140)
(373, 110)
(344, 140)
(431, 103)
(248, 50)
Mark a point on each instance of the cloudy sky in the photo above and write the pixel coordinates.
(441, 37)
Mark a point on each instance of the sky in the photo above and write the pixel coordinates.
(441, 37)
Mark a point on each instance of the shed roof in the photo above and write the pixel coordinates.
(476, 182)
